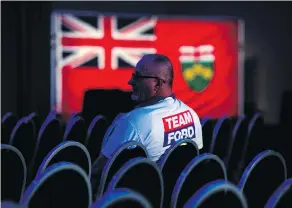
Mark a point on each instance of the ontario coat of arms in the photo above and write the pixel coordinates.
(197, 66)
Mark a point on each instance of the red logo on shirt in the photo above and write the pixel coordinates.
(178, 126)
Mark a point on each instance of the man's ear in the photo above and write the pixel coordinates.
(157, 86)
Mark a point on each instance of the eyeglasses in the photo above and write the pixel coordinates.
(136, 77)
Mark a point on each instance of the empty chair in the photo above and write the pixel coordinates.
(76, 130)
(217, 193)
(5, 116)
(73, 115)
(260, 179)
(11, 204)
(221, 137)
(49, 136)
(173, 161)
(203, 121)
(238, 138)
(207, 131)
(33, 117)
(8, 122)
(142, 176)
(254, 141)
(122, 155)
(201, 170)
(233, 120)
(96, 132)
(68, 118)
(61, 185)
(13, 173)
(282, 196)
(122, 198)
(23, 138)
(69, 151)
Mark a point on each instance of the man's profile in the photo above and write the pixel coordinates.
(159, 120)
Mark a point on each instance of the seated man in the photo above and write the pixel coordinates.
(158, 121)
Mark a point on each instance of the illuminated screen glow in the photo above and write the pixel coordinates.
(100, 51)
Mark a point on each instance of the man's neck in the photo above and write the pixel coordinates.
(154, 100)
(165, 92)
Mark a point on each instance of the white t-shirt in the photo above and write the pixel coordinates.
(156, 126)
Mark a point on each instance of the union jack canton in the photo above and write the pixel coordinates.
(85, 42)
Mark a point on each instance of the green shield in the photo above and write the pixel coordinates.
(198, 74)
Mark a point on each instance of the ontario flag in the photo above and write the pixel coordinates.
(96, 51)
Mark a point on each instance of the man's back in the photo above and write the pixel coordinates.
(157, 126)
(159, 121)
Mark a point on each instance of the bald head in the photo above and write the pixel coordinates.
(157, 65)
(153, 76)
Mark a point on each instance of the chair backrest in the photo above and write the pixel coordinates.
(73, 115)
(13, 173)
(122, 198)
(207, 131)
(254, 141)
(183, 149)
(282, 196)
(234, 119)
(23, 138)
(122, 155)
(201, 170)
(32, 115)
(34, 118)
(49, 136)
(68, 151)
(238, 137)
(61, 185)
(203, 121)
(221, 137)
(96, 132)
(259, 179)
(6, 116)
(173, 161)
(11, 204)
(219, 193)
(76, 130)
(8, 121)
(142, 176)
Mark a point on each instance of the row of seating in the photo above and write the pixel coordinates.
(224, 137)
(235, 140)
(35, 144)
(63, 179)
(228, 138)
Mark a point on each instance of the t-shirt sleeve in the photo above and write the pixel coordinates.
(198, 129)
(199, 135)
(121, 132)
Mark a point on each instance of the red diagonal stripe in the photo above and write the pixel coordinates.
(72, 25)
(68, 41)
(134, 26)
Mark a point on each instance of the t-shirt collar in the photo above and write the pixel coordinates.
(154, 100)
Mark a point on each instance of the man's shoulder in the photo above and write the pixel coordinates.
(144, 115)
(137, 114)
(186, 107)
(148, 112)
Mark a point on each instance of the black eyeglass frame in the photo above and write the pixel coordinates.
(135, 77)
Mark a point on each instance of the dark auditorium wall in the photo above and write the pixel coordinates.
(25, 66)
(268, 35)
